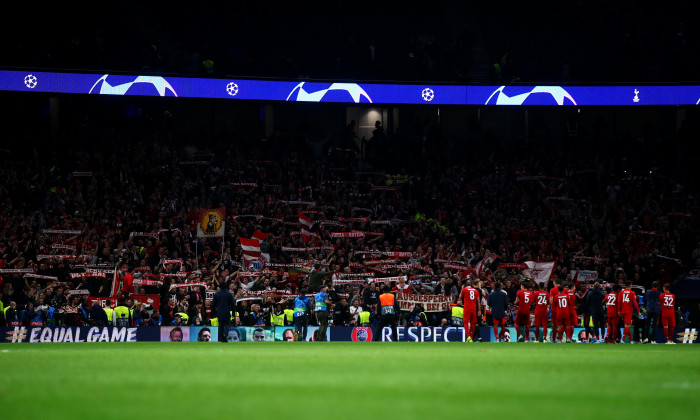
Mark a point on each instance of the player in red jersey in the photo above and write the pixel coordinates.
(562, 301)
(541, 308)
(472, 309)
(573, 316)
(523, 299)
(628, 304)
(613, 314)
(553, 292)
(667, 301)
(531, 286)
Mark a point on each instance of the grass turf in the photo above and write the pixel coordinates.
(347, 380)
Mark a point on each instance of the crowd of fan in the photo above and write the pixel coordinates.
(536, 207)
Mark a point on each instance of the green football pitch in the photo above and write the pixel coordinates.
(347, 380)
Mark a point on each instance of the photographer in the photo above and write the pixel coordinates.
(417, 317)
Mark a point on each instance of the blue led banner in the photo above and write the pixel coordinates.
(263, 90)
(345, 92)
(583, 95)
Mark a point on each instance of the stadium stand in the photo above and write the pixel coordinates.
(127, 192)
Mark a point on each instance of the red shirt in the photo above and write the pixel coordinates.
(667, 302)
(611, 304)
(471, 296)
(524, 301)
(628, 301)
(128, 286)
(562, 301)
(572, 300)
(541, 302)
(402, 289)
(553, 294)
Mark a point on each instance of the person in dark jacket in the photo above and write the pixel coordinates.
(371, 295)
(316, 278)
(341, 313)
(98, 316)
(224, 304)
(594, 304)
(498, 301)
(84, 312)
(651, 299)
(581, 294)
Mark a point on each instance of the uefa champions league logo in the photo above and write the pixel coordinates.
(355, 91)
(106, 87)
(538, 95)
(428, 94)
(30, 81)
(232, 89)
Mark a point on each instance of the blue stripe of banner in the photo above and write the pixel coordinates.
(346, 92)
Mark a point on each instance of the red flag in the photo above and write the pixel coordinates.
(260, 236)
(306, 225)
(251, 249)
(539, 271)
(485, 262)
